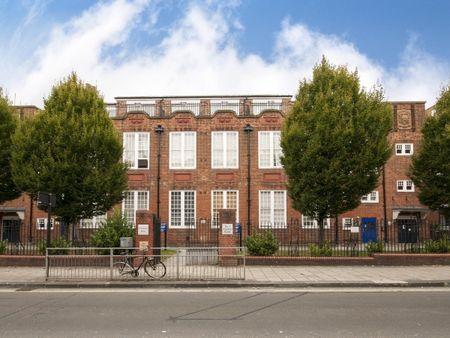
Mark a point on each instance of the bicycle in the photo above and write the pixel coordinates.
(153, 267)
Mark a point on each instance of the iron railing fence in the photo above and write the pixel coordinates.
(294, 239)
(361, 238)
(180, 264)
(160, 109)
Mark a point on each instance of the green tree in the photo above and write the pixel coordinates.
(334, 143)
(71, 149)
(8, 125)
(430, 167)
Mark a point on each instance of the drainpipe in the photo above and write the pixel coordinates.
(157, 225)
(248, 129)
(384, 204)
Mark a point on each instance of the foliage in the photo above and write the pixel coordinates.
(430, 168)
(71, 149)
(323, 250)
(438, 246)
(333, 119)
(3, 246)
(108, 236)
(8, 125)
(374, 247)
(262, 244)
(56, 243)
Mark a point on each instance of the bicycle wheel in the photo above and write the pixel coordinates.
(155, 270)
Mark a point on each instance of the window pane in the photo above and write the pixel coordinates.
(231, 154)
(276, 149)
(264, 209)
(129, 149)
(175, 150)
(189, 208)
(175, 208)
(264, 149)
(217, 155)
(143, 146)
(189, 150)
(142, 200)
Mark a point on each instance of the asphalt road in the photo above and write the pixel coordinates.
(228, 313)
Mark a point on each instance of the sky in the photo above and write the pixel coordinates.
(212, 47)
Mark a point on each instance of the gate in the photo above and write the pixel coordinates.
(408, 230)
(369, 229)
(11, 230)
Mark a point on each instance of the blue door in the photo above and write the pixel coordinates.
(369, 229)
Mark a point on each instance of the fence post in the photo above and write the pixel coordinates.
(178, 264)
(111, 259)
(244, 264)
(46, 264)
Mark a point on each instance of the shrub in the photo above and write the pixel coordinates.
(374, 247)
(56, 243)
(264, 244)
(438, 246)
(3, 245)
(323, 251)
(108, 235)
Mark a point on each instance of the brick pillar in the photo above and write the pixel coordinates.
(228, 238)
(143, 235)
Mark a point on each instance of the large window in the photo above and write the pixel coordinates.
(224, 149)
(310, 223)
(223, 199)
(404, 149)
(405, 186)
(183, 150)
(371, 197)
(136, 150)
(269, 149)
(272, 209)
(134, 200)
(182, 209)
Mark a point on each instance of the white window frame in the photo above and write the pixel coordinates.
(224, 158)
(137, 205)
(372, 197)
(182, 150)
(314, 224)
(347, 223)
(182, 209)
(400, 149)
(403, 184)
(274, 162)
(94, 222)
(41, 223)
(134, 163)
(272, 224)
(224, 204)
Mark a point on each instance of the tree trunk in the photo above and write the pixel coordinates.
(321, 231)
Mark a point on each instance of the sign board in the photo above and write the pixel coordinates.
(163, 227)
(227, 229)
(142, 229)
(46, 198)
(354, 230)
(143, 245)
(238, 228)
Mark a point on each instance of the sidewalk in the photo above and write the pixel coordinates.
(263, 276)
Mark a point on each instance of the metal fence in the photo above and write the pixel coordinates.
(181, 264)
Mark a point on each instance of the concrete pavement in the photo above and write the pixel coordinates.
(263, 276)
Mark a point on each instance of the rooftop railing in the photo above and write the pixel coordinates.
(161, 109)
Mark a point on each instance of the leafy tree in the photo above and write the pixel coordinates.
(430, 167)
(8, 125)
(71, 149)
(334, 143)
(108, 236)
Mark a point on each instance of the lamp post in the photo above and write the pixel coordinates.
(157, 227)
(248, 129)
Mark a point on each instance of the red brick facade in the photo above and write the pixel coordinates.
(201, 118)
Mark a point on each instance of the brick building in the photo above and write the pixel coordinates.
(191, 156)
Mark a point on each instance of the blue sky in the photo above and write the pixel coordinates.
(156, 47)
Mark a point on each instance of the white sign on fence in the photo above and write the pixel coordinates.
(354, 229)
(227, 229)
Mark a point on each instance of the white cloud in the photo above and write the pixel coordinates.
(199, 56)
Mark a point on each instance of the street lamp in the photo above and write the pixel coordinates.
(157, 227)
(248, 129)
